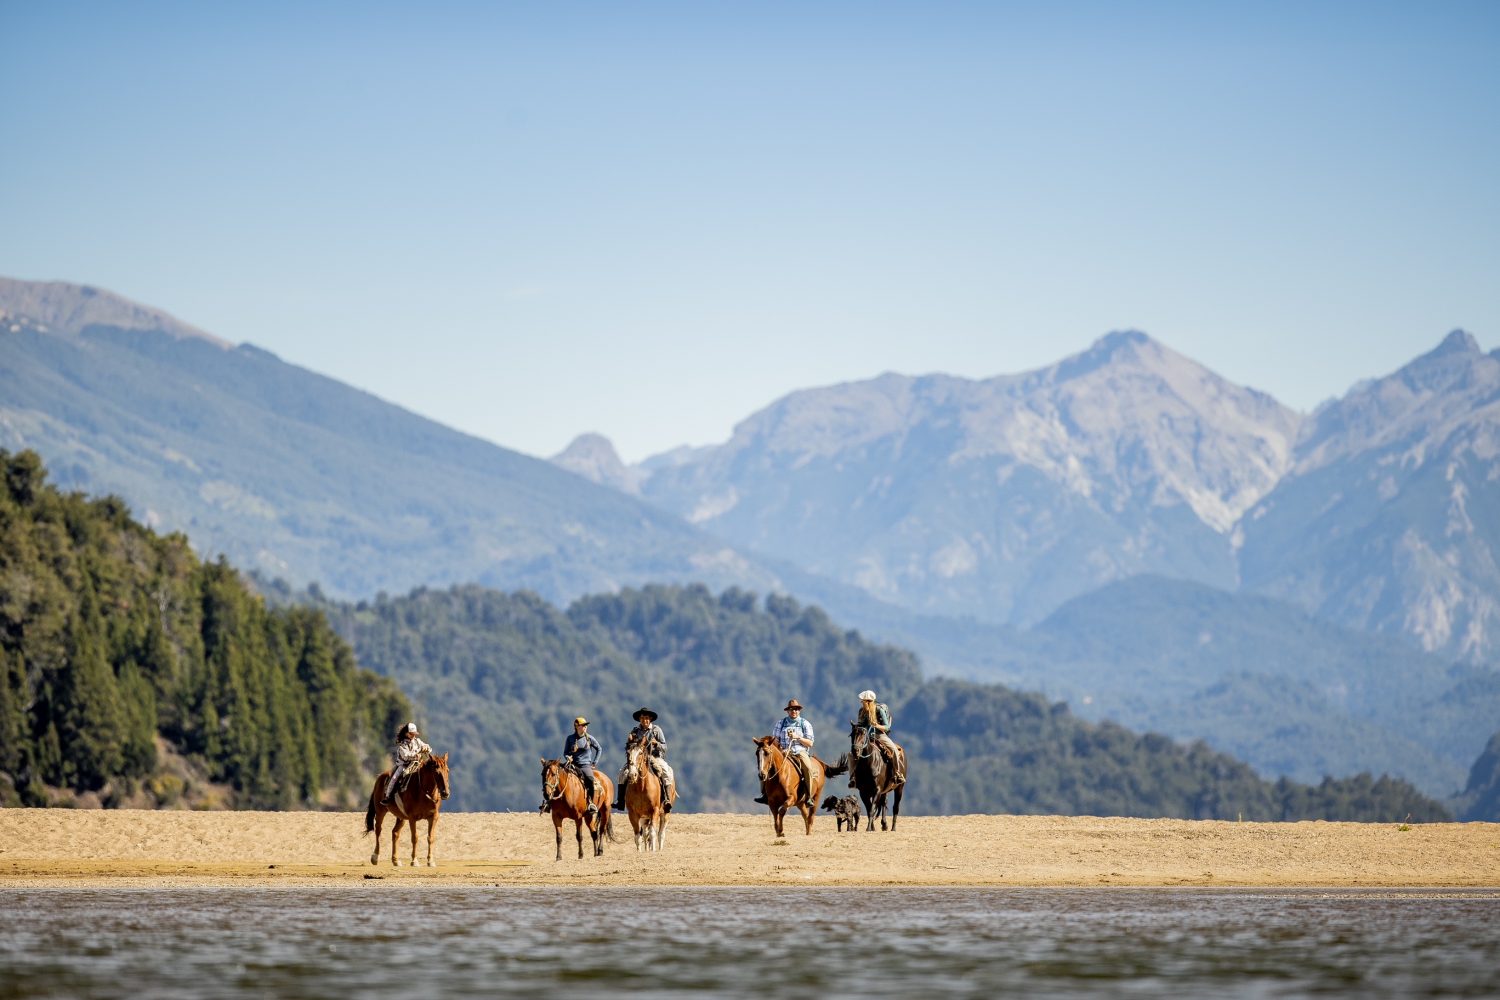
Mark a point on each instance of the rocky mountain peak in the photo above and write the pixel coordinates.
(64, 309)
(593, 457)
(1449, 383)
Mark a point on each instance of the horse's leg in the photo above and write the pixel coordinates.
(396, 839)
(557, 826)
(411, 826)
(379, 822)
(578, 825)
(808, 812)
(431, 822)
(896, 809)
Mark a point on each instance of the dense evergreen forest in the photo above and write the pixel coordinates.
(499, 676)
(132, 673)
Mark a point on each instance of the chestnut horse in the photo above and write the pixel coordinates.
(643, 799)
(421, 799)
(873, 776)
(562, 788)
(779, 779)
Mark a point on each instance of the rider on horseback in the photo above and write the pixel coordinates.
(646, 731)
(580, 752)
(794, 735)
(875, 716)
(407, 755)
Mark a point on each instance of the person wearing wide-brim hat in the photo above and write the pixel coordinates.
(648, 731)
(794, 735)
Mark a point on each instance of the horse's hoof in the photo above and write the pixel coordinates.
(432, 864)
(374, 859)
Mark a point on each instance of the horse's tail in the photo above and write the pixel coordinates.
(609, 827)
(370, 812)
(841, 767)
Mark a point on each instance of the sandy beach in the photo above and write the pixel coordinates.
(105, 847)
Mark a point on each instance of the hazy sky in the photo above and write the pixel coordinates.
(650, 220)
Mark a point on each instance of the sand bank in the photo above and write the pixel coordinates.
(78, 848)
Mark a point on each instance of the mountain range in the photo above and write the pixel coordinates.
(1124, 529)
(1003, 498)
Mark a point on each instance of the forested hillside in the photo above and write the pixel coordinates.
(499, 676)
(131, 673)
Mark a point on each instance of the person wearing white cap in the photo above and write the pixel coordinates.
(405, 755)
(875, 716)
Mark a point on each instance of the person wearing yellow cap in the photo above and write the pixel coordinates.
(582, 751)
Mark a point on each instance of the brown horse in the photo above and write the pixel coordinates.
(779, 779)
(643, 798)
(563, 789)
(422, 798)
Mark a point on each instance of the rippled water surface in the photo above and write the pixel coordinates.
(755, 942)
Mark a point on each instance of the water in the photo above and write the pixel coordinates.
(747, 942)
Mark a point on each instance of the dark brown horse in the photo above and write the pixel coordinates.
(779, 779)
(563, 789)
(643, 799)
(874, 776)
(422, 798)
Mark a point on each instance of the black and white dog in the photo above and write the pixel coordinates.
(845, 810)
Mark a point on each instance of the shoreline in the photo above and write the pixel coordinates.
(154, 849)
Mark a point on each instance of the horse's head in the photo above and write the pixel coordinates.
(440, 769)
(551, 779)
(767, 753)
(635, 751)
(859, 739)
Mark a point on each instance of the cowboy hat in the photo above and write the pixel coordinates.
(636, 715)
(794, 703)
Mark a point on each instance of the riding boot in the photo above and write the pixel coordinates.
(762, 799)
(666, 798)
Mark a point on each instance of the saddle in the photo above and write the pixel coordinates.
(410, 774)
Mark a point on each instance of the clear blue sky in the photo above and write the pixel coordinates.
(650, 220)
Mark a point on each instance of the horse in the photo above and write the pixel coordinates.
(643, 798)
(873, 776)
(779, 779)
(562, 788)
(421, 798)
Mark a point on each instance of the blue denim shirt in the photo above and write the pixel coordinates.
(582, 752)
(789, 727)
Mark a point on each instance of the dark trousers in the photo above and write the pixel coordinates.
(586, 772)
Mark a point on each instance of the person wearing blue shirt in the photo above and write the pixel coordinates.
(794, 735)
(582, 751)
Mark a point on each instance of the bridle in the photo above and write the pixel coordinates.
(552, 781)
(768, 760)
